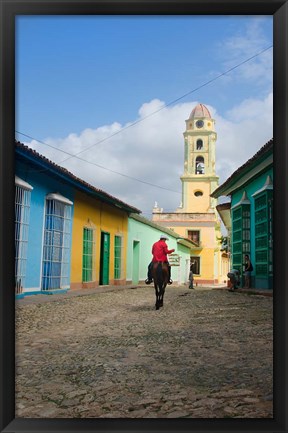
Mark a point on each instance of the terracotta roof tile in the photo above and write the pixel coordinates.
(266, 148)
(23, 149)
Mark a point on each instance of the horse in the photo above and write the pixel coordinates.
(160, 276)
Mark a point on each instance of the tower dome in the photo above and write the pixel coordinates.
(200, 111)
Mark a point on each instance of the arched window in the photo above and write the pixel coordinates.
(200, 167)
(199, 144)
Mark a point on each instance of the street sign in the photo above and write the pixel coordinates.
(174, 259)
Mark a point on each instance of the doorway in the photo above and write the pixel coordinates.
(104, 258)
(135, 264)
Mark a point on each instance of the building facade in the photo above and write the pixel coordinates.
(99, 243)
(142, 233)
(68, 234)
(250, 224)
(197, 218)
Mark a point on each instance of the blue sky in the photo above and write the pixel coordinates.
(81, 80)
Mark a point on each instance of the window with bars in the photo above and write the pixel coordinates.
(56, 243)
(117, 257)
(263, 234)
(88, 259)
(241, 235)
(22, 214)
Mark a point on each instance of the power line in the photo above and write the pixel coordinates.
(76, 155)
(110, 170)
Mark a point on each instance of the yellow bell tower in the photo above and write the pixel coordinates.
(197, 217)
(199, 179)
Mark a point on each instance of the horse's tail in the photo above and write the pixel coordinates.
(159, 274)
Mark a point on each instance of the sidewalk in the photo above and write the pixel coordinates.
(42, 298)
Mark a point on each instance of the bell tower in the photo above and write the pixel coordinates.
(199, 179)
(197, 218)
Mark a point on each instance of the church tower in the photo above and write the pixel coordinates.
(197, 218)
(199, 179)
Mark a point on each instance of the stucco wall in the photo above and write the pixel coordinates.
(42, 184)
(141, 237)
(90, 212)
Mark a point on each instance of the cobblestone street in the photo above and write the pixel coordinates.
(205, 354)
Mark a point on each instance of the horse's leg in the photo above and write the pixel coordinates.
(156, 291)
(162, 296)
(154, 276)
(165, 278)
(157, 295)
(158, 284)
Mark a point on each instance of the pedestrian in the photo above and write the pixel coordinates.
(159, 252)
(234, 279)
(247, 272)
(191, 277)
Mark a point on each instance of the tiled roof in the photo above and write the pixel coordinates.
(245, 167)
(223, 206)
(163, 229)
(80, 184)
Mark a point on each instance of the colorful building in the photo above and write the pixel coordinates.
(197, 218)
(250, 218)
(68, 234)
(142, 233)
(99, 242)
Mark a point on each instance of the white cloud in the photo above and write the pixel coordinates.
(153, 150)
(251, 109)
(244, 45)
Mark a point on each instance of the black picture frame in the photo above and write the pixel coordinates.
(9, 10)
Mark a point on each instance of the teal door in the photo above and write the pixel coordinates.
(104, 258)
(135, 270)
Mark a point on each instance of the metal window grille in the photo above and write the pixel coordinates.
(263, 234)
(270, 233)
(22, 214)
(88, 263)
(56, 245)
(117, 257)
(241, 235)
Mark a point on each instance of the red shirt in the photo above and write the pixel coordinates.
(160, 251)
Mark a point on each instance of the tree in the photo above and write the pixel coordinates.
(224, 242)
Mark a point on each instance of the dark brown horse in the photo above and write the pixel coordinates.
(160, 276)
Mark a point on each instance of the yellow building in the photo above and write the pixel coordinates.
(99, 240)
(197, 218)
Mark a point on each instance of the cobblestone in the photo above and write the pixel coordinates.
(205, 354)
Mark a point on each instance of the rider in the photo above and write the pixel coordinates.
(159, 251)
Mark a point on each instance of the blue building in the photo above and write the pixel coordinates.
(42, 200)
(45, 197)
(249, 216)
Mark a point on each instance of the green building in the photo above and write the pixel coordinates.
(142, 233)
(249, 216)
